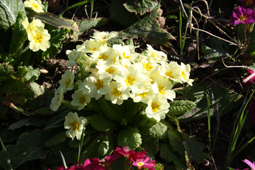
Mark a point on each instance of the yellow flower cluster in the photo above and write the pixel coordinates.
(119, 72)
(38, 36)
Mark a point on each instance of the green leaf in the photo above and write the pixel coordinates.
(91, 151)
(130, 108)
(61, 137)
(157, 131)
(176, 140)
(8, 135)
(19, 36)
(110, 110)
(33, 121)
(5, 72)
(141, 6)
(106, 147)
(166, 152)
(130, 137)
(151, 145)
(9, 11)
(77, 4)
(102, 123)
(179, 107)
(195, 150)
(57, 120)
(148, 28)
(56, 43)
(32, 74)
(50, 19)
(120, 15)
(91, 23)
(29, 147)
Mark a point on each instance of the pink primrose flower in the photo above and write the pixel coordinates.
(242, 16)
(249, 78)
(124, 151)
(93, 164)
(251, 165)
(144, 162)
(246, 3)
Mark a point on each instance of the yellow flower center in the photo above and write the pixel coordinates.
(169, 74)
(184, 75)
(143, 94)
(75, 125)
(35, 6)
(129, 80)
(155, 106)
(104, 57)
(125, 56)
(93, 49)
(116, 92)
(38, 38)
(147, 66)
(140, 164)
(243, 18)
(249, 2)
(110, 70)
(82, 99)
(68, 82)
(99, 84)
(161, 89)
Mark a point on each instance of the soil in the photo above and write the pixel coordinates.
(56, 67)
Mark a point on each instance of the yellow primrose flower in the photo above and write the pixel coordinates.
(75, 125)
(80, 99)
(39, 40)
(35, 26)
(57, 100)
(104, 36)
(36, 5)
(67, 80)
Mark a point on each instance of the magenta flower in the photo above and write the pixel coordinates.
(249, 78)
(251, 165)
(124, 151)
(246, 3)
(242, 16)
(93, 164)
(144, 162)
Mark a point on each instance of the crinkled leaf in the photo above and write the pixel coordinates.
(32, 74)
(106, 147)
(130, 137)
(141, 6)
(176, 141)
(8, 135)
(110, 110)
(120, 15)
(50, 19)
(195, 150)
(130, 109)
(151, 145)
(148, 28)
(56, 42)
(29, 147)
(33, 121)
(179, 107)
(19, 35)
(9, 11)
(91, 151)
(5, 72)
(61, 137)
(102, 123)
(91, 23)
(157, 131)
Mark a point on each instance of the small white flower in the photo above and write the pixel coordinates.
(73, 57)
(172, 70)
(36, 5)
(155, 55)
(75, 125)
(115, 95)
(39, 40)
(99, 85)
(67, 80)
(157, 107)
(126, 52)
(35, 26)
(185, 72)
(104, 36)
(57, 100)
(80, 99)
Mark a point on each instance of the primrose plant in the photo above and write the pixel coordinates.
(117, 90)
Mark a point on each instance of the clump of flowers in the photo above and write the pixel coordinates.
(38, 36)
(139, 160)
(118, 73)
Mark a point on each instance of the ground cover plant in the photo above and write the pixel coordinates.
(127, 84)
